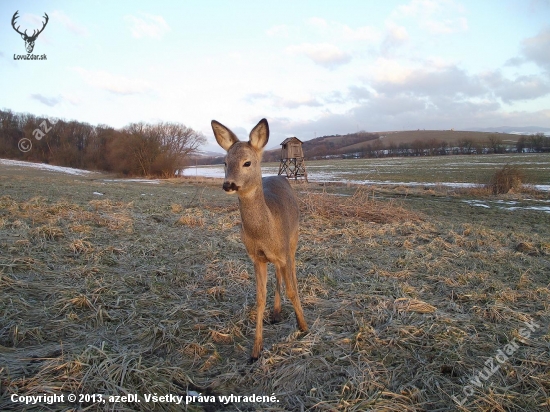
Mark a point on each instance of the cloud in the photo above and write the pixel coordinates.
(383, 113)
(323, 54)
(339, 31)
(55, 100)
(445, 26)
(434, 16)
(527, 87)
(395, 36)
(147, 25)
(281, 102)
(386, 70)
(318, 23)
(73, 27)
(280, 30)
(537, 49)
(48, 101)
(428, 82)
(358, 93)
(120, 85)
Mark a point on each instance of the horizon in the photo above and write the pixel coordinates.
(320, 69)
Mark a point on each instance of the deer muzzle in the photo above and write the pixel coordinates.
(230, 187)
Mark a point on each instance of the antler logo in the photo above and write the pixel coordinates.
(29, 40)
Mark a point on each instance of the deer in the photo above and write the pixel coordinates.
(269, 221)
(29, 40)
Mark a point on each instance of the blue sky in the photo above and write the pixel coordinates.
(310, 67)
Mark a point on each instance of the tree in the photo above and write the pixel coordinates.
(521, 144)
(495, 143)
(536, 141)
(153, 150)
(467, 145)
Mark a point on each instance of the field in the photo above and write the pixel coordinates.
(457, 171)
(417, 298)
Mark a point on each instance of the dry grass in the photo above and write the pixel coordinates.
(359, 206)
(155, 294)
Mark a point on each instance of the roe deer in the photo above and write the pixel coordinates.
(270, 216)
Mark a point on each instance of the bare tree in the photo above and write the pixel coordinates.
(154, 150)
(495, 143)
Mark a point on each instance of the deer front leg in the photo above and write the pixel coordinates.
(261, 294)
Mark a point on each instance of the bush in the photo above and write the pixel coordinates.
(506, 179)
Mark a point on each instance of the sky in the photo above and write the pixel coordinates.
(312, 68)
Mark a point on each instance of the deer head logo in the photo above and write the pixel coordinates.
(29, 40)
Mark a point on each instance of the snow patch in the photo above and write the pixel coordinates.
(43, 166)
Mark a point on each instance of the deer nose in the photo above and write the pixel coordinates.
(229, 186)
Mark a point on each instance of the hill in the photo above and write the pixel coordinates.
(362, 142)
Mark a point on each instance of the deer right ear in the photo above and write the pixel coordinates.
(225, 137)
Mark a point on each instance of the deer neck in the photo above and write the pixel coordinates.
(255, 214)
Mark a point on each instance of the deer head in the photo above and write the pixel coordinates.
(29, 40)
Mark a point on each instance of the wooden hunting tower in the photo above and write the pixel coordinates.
(292, 159)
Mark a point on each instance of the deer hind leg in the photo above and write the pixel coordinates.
(288, 271)
(261, 294)
(276, 314)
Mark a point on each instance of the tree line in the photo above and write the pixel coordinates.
(139, 149)
(536, 143)
(373, 145)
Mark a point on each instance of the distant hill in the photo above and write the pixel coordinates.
(363, 141)
(514, 130)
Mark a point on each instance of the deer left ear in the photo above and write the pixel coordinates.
(259, 135)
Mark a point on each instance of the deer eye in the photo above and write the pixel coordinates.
(247, 164)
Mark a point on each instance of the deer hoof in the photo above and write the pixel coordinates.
(275, 318)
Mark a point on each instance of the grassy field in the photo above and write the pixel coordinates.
(476, 169)
(470, 169)
(414, 298)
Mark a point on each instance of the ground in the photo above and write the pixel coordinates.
(417, 300)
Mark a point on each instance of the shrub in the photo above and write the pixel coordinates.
(506, 179)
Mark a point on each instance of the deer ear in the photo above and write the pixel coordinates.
(259, 135)
(225, 137)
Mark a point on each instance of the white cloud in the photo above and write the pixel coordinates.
(270, 99)
(318, 23)
(120, 85)
(70, 24)
(395, 36)
(389, 71)
(434, 16)
(364, 33)
(147, 25)
(323, 54)
(339, 31)
(280, 30)
(446, 26)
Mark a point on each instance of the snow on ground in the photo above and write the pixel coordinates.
(525, 204)
(150, 181)
(43, 166)
(328, 177)
(68, 170)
